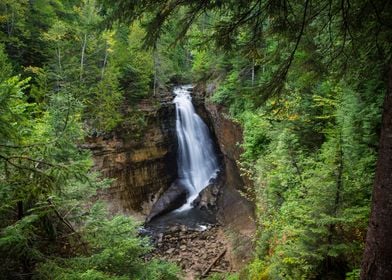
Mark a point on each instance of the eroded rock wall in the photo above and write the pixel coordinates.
(142, 163)
(235, 210)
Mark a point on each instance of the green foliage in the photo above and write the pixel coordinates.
(204, 66)
(313, 204)
(255, 139)
(353, 275)
(103, 112)
(49, 228)
(115, 253)
(221, 276)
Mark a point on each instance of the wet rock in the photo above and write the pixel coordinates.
(174, 197)
(174, 228)
(208, 197)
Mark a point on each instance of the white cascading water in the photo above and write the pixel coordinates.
(197, 161)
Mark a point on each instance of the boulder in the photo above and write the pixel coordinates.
(208, 197)
(173, 198)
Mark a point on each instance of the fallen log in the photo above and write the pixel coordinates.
(213, 263)
(218, 270)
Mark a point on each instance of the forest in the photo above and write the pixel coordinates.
(308, 84)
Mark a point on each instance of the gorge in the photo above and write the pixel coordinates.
(176, 147)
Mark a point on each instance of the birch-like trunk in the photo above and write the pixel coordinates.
(83, 54)
(105, 59)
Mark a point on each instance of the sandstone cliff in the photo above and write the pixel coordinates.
(141, 157)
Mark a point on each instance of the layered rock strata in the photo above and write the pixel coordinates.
(140, 157)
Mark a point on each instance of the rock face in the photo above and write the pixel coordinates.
(143, 163)
(234, 210)
(208, 197)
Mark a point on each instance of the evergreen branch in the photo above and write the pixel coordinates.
(68, 225)
(34, 160)
(276, 84)
(6, 159)
(37, 161)
(29, 145)
(299, 37)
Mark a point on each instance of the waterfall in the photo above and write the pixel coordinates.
(196, 158)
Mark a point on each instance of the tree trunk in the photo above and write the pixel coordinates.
(104, 61)
(59, 59)
(19, 205)
(10, 24)
(82, 56)
(156, 65)
(60, 67)
(377, 258)
(253, 71)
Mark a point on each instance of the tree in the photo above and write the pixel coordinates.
(377, 258)
(51, 225)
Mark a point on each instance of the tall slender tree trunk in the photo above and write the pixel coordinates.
(60, 69)
(10, 24)
(59, 59)
(82, 56)
(156, 65)
(105, 59)
(20, 208)
(253, 71)
(377, 258)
